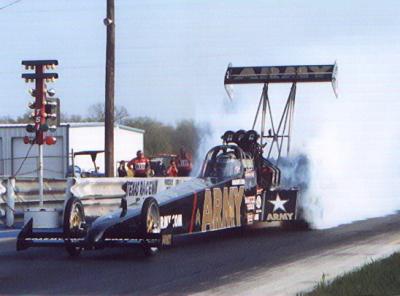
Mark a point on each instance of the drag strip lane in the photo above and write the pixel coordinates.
(195, 264)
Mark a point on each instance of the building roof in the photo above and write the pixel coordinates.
(96, 124)
(77, 124)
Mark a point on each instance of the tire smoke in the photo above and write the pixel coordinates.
(345, 152)
(349, 169)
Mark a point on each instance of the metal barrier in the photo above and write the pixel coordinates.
(102, 195)
(18, 194)
(98, 195)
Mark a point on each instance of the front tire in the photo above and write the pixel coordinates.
(74, 218)
(150, 223)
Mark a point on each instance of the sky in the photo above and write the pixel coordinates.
(171, 58)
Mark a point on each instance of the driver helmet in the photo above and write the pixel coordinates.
(227, 164)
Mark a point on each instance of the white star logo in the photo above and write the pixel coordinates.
(278, 203)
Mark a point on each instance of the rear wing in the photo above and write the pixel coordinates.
(281, 74)
(278, 134)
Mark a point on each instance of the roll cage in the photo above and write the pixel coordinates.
(224, 161)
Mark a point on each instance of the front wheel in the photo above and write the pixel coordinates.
(74, 219)
(150, 223)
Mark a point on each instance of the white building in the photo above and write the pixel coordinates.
(70, 137)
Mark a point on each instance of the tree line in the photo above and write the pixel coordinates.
(159, 137)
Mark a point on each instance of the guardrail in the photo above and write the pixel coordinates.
(18, 194)
(98, 195)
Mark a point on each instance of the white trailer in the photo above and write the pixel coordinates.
(70, 136)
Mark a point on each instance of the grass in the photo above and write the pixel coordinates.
(376, 278)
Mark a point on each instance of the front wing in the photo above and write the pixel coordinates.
(29, 237)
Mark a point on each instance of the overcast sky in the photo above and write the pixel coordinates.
(171, 55)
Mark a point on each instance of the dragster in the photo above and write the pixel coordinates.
(237, 186)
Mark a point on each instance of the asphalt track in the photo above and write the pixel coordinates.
(195, 264)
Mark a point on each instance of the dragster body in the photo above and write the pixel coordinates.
(236, 187)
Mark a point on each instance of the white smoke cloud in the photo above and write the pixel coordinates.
(352, 143)
(354, 166)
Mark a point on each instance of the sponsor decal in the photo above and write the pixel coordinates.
(141, 188)
(280, 217)
(198, 218)
(237, 182)
(249, 218)
(250, 199)
(168, 182)
(278, 203)
(250, 207)
(221, 208)
(165, 220)
(258, 201)
(307, 72)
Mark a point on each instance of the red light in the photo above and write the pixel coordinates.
(51, 140)
(27, 140)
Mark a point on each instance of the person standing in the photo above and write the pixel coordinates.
(184, 163)
(172, 170)
(140, 165)
(122, 169)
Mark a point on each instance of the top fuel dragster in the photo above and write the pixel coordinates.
(237, 186)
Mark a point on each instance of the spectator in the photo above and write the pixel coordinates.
(140, 165)
(184, 163)
(122, 169)
(172, 170)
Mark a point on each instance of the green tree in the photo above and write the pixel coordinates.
(157, 137)
(187, 135)
(24, 118)
(96, 113)
(72, 118)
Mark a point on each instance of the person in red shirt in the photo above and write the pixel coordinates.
(172, 170)
(140, 165)
(184, 164)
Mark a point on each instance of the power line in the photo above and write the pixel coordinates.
(10, 4)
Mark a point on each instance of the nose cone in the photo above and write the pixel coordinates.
(98, 228)
(112, 226)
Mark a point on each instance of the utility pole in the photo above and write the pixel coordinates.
(109, 92)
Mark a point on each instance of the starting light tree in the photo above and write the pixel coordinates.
(45, 108)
